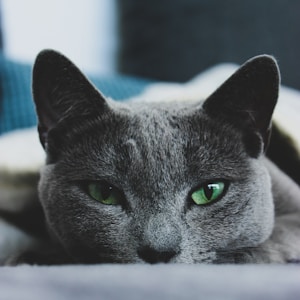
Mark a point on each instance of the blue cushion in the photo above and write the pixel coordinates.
(16, 106)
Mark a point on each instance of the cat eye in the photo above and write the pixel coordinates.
(104, 193)
(209, 192)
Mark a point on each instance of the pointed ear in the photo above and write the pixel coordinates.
(247, 99)
(60, 90)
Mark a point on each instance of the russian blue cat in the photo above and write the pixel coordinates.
(181, 182)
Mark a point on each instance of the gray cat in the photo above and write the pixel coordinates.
(154, 182)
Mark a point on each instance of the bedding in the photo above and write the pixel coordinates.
(136, 282)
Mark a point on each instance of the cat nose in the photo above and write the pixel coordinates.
(153, 256)
(160, 241)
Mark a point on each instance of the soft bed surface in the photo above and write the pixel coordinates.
(151, 282)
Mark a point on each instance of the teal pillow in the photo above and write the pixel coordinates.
(16, 106)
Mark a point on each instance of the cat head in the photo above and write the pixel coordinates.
(145, 182)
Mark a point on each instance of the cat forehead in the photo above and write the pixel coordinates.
(153, 128)
(166, 123)
(173, 128)
(163, 127)
(156, 118)
(155, 108)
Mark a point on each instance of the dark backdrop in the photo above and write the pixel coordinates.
(175, 39)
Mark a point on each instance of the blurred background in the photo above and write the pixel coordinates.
(168, 40)
(84, 30)
(160, 40)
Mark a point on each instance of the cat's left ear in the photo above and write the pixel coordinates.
(247, 99)
(61, 91)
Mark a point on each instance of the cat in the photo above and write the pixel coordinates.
(179, 182)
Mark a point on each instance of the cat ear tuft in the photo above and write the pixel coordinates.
(247, 99)
(60, 90)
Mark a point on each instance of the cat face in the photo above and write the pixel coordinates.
(136, 182)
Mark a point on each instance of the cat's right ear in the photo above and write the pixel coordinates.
(247, 99)
(60, 90)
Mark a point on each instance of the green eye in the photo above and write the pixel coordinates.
(105, 193)
(208, 193)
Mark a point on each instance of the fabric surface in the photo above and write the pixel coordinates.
(16, 106)
(136, 282)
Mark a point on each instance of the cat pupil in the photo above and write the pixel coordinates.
(209, 190)
(106, 191)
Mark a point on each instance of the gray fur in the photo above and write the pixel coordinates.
(156, 154)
